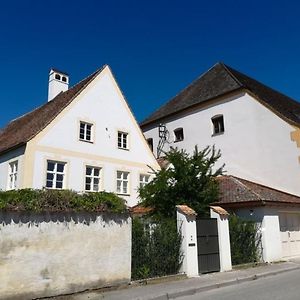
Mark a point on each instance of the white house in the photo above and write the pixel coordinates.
(84, 138)
(257, 130)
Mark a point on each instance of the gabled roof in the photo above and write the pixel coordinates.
(235, 192)
(21, 130)
(221, 80)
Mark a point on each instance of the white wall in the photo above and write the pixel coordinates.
(256, 144)
(101, 104)
(51, 254)
(5, 159)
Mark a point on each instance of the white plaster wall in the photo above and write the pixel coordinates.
(75, 173)
(5, 159)
(51, 254)
(256, 144)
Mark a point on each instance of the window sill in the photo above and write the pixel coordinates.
(177, 141)
(126, 149)
(217, 134)
(90, 142)
(120, 194)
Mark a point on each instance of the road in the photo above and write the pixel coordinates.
(278, 287)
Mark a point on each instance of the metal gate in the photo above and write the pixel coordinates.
(208, 245)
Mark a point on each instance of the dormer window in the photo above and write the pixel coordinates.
(178, 134)
(64, 79)
(218, 124)
(85, 132)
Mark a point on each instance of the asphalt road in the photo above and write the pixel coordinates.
(284, 286)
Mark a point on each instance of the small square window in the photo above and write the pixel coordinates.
(55, 175)
(218, 124)
(122, 182)
(150, 143)
(144, 180)
(85, 132)
(92, 179)
(122, 140)
(178, 133)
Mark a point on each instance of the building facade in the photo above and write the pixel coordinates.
(84, 138)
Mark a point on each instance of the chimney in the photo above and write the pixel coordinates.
(58, 82)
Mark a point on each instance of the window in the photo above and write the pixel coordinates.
(64, 79)
(92, 179)
(144, 179)
(57, 76)
(85, 132)
(218, 124)
(55, 175)
(122, 182)
(13, 175)
(122, 140)
(178, 133)
(150, 143)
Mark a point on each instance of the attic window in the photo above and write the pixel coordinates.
(218, 124)
(150, 143)
(85, 132)
(57, 76)
(178, 133)
(64, 79)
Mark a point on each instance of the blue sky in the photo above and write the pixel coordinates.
(155, 48)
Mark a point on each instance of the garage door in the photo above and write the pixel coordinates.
(290, 233)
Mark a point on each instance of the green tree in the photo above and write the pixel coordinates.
(189, 179)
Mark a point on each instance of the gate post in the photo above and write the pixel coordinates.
(186, 225)
(224, 240)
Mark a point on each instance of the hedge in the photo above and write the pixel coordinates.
(60, 200)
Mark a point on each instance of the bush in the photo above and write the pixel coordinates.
(245, 240)
(60, 200)
(155, 248)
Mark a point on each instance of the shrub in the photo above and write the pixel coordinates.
(245, 240)
(155, 248)
(60, 200)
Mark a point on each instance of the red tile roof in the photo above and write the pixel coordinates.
(236, 191)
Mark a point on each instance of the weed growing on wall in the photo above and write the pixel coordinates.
(245, 240)
(60, 200)
(155, 248)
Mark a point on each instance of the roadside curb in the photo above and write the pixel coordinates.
(192, 291)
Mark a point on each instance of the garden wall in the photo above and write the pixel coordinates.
(46, 254)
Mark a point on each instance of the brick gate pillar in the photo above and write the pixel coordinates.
(223, 235)
(186, 224)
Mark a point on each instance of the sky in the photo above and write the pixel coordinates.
(155, 48)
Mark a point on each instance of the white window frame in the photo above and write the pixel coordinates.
(12, 175)
(177, 132)
(93, 178)
(55, 174)
(123, 141)
(83, 136)
(144, 180)
(123, 182)
(219, 121)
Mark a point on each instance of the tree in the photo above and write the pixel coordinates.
(189, 179)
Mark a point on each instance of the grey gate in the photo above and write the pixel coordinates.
(208, 245)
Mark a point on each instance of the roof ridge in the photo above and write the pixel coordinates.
(230, 73)
(265, 186)
(236, 179)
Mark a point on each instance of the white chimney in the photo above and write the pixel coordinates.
(58, 82)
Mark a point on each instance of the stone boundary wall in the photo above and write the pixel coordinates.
(48, 254)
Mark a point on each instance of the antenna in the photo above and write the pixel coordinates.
(162, 133)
